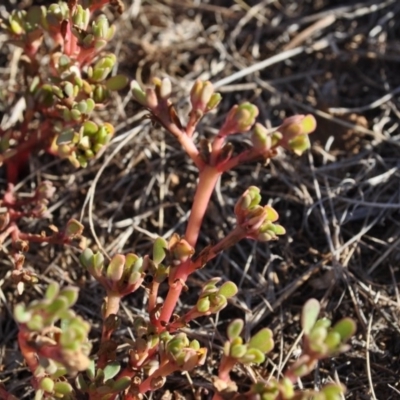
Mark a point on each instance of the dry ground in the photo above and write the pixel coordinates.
(339, 60)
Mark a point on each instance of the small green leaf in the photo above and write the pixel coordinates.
(57, 305)
(203, 305)
(253, 356)
(318, 335)
(47, 384)
(262, 341)
(89, 128)
(333, 392)
(271, 214)
(238, 351)
(159, 250)
(91, 370)
(235, 329)
(116, 268)
(66, 137)
(309, 315)
(116, 82)
(346, 328)
(111, 370)
(332, 340)
(62, 388)
(21, 314)
(71, 294)
(228, 290)
(90, 104)
(279, 229)
(86, 258)
(52, 291)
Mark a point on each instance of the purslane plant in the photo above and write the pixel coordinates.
(161, 346)
(52, 338)
(13, 210)
(66, 77)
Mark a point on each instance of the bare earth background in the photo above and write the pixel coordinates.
(339, 60)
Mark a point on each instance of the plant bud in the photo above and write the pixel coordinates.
(181, 250)
(261, 138)
(213, 102)
(239, 119)
(203, 305)
(81, 17)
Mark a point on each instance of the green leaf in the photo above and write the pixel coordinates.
(300, 144)
(262, 341)
(116, 268)
(253, 356)
(346, 328)
(35, 323)
(71, 294)
(159, 250)
(234, 329)
(116, 82)
(318, 335)
(47, 384)
(52, 291)
(271, 214)
(62, 388)
(238, 351)
(309, 315)
(21, 314)
(332, 340)
(89, 128)
(333, 392)
(90, 104)
(91, 370)
(278, 229)
(86, 258)
(57, 305)
(228, 290)
(203, 305)
(111, 370)
(66, 137)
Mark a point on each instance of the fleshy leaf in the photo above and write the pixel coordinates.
(309, 315)
(159, 250)
(111, 370)
(228, 289)
(346, 328)
(262, 341)
(116, 82)
(235, 329)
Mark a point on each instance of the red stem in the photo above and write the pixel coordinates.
(153, 296)
(164, 370)
(216, 148)
(225, 367)
(183, 138)
(113, 301)
(207, 180)
(245, 157)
